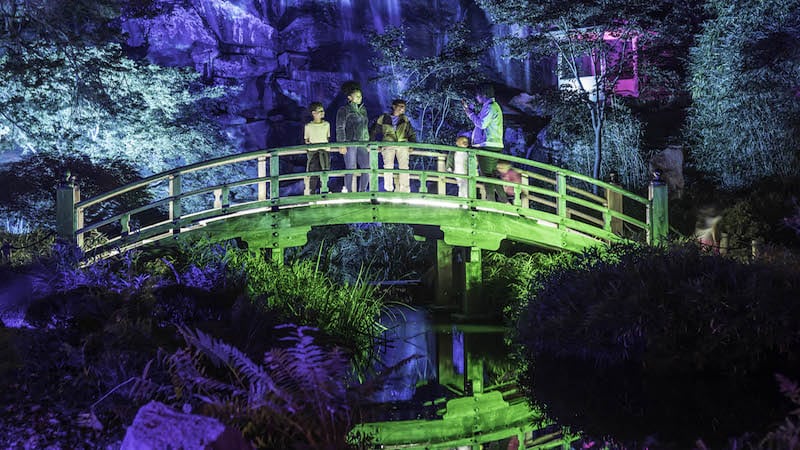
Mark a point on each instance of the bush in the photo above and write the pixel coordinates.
(666, 342)
(671, 309)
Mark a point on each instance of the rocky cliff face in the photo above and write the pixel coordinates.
(285, 54)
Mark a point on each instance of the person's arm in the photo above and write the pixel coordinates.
(411, 135)
(306, 137)
(341, 124)
(484, 118)
(376, 128)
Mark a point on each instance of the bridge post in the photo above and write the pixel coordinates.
(444, 274)
(262, 173)
(441, 180)
(276, 253)
(175, 202)
(472, 171)
(67, 195)
(613, 203)
(373, 168)
(471, 300)
(658, 211)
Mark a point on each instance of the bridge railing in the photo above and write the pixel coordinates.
(276, 178)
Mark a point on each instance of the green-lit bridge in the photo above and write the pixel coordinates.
(258, 198)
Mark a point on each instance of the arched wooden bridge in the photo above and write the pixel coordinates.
(257, 197)
(248, 196)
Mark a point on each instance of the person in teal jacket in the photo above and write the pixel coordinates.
(487, 118)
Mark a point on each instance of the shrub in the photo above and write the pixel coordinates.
(675, 308)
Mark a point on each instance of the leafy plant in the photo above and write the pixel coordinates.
(347, 314)
(298, 397)
(432, 85)
(379, 251)
(742, 122)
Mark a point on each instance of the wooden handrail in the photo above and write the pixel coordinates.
(555, 190)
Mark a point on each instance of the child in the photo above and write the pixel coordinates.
(317, 131)
(460, 166)
(507, 173)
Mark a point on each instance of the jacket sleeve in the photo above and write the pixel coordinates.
(484, 118)
(411, 134)
(377, 128)
(341, 124)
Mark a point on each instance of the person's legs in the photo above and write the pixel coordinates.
(488, 165)
(350, 159)
(388, 154)
(460, 167)
(404, 179)
(324, 161)
(313, 165)
(363, 163)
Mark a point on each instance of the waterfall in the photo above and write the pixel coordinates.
(385, 14)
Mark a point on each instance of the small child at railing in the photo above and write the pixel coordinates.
(457, 163)
(507, 173)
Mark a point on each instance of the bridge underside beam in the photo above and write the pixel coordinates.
(461, 226)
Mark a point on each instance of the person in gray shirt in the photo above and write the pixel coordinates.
(352, 125)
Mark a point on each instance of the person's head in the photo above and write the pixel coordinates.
(317, 111)
(483, 92)
(398, 106)
(503, 166)
(462, 141)
(353, 93)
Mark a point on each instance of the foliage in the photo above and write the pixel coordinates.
(760, 214)
(787, 435)
(379, 252)
(153, 117)
(622, 137)
(301, 293)
(432, 85)
(649, 306)
(70, 91)
(577, 32)
(743, 122)
(298, 396)
(509, 280)
(668, 344)
(27, 191)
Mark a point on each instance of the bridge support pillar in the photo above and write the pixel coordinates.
(276, 254)
(473, 280)
(445, 287)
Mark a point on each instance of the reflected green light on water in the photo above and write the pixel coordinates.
(465, 380)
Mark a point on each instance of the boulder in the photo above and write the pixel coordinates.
(235, 25)
(157, 426)
(670, 163)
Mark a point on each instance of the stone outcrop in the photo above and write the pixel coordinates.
(670, 163)
(158, 426)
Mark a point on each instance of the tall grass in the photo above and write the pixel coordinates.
(300, 293)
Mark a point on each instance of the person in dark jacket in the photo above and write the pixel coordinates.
(395, 127)
(352, 125)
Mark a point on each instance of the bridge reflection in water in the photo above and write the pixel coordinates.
(458, 393)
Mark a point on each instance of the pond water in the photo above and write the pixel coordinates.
(451, 385)
(454, 385)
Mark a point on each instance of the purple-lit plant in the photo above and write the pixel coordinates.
(296, 397)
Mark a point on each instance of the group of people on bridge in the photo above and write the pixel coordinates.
(352, 125)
